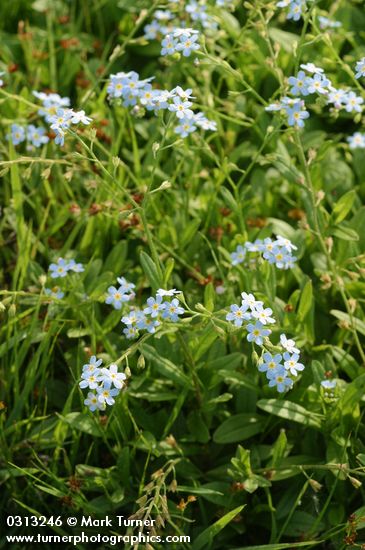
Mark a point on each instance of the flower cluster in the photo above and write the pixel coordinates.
(278, 252)
(57, 113)
(160, 24)
(54, 292)
(124, 293)
(316, 82)
(325, 23)
(131, 90)
(294, 109)
(328, 388)
(157, 310)
(280, 366)
(360, 68)
(296, 8)
(169, 27)
(36, 136)
(224, 3)
(180, 40)
(106, 384)
(356, 141)
(62, 267)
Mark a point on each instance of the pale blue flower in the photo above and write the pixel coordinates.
(170, 292)
(336, 97)
(130, 332)
(106, 395)
(126, 286)
(328, 384)
(285, 243)
(163, 15)
(311, 68)
(238, 256)
(73, 266)
(184, 94)
(255, 246)
(132, 317)
(54, 292)
(79, 116)
(185, 127)
(325, 23)
(352, 102)
(111, 377)
(188, 45)
(60, 137)
(263, 314)
(172, 310)
(288, 344)
(148, 324)
(116, 297)
(356, 141)
(181, 108)
(296, 118)
(360, 68)
(280, 380)
(317, 84)
(257, 333)
(291, 363)
(155, 306)
(93, 403)
(90, 379)
(271, 364)
(36, 135)
(59, 269)
(250, 301)
(238, 314)
(296, 9)
(17, 134)
(203, 122)
(168, 45)
(152, 30)
(299, 84)
(61, 120)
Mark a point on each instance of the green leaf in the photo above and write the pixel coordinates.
(206, 537)
(83, 423)
(198, 427)
(230, 361)
(204, 342)
(78, 332)
(189, 232)
(301, 524)
(306, 301)
(50, 490)
(360, 517)
(342, 316)
(284, 38)
(345, 233)
(151, 271)
(209, 297)
(279, 449)
(169, 269)
(165, 366)
(343, 206)
(197, 491)
(116, 258)
(238, 428)
(282, 545)
(290, 411)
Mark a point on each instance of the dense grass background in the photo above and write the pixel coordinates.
(194, 399)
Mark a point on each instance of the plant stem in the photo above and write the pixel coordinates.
(317, 232)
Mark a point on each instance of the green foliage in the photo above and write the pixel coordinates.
(196, 441)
